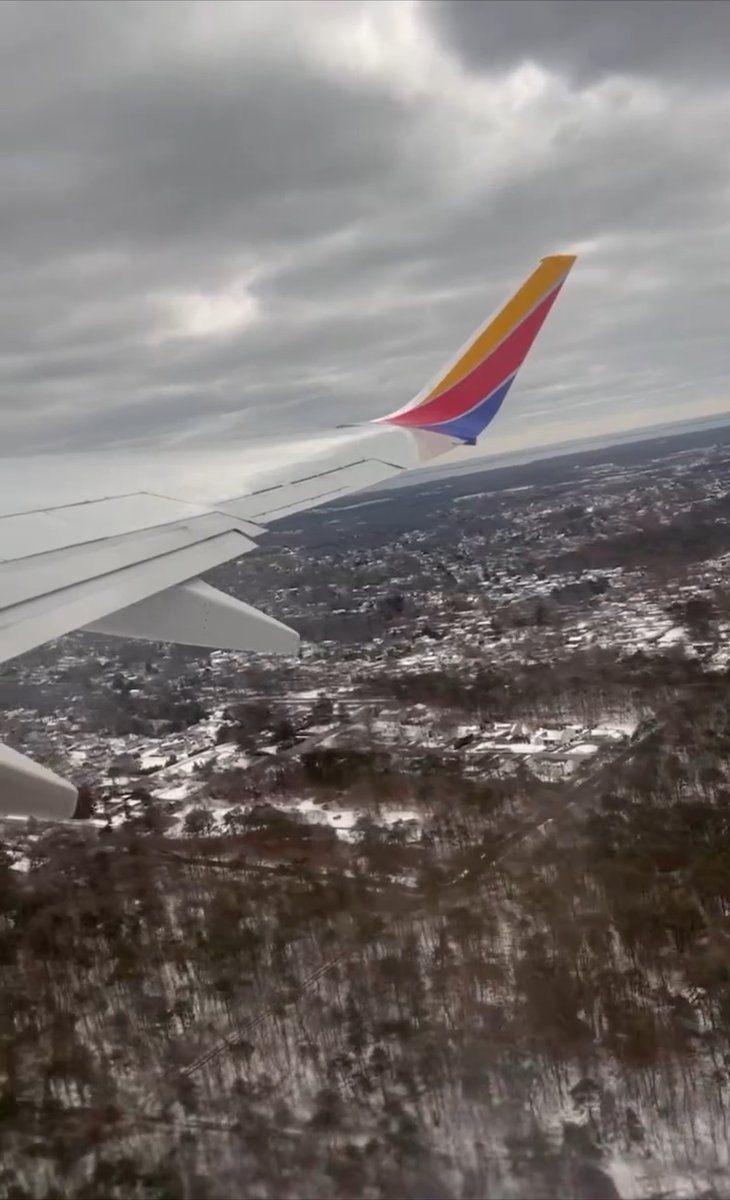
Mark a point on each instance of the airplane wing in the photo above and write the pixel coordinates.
(128, 563)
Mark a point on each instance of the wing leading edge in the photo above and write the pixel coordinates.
(128, 564)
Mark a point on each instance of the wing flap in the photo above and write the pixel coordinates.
(42, 574)
(27, 789)
(25, 625)
(23, 535)
(196, 614)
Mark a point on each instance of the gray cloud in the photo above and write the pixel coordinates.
(592, 38)
(245, 217)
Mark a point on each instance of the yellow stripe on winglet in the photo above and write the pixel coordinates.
(542, 280)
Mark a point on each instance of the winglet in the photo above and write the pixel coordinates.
(470, 392)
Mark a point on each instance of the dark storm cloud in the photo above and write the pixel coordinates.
(230, 217)
(588, 39)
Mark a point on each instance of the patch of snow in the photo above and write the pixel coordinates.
(175, 792)
(720, 659)
(626, 726)
(672, 637)
(516, 747)
(401, 814)
(152, 761)
(550, 736)
(343, 819)
(227, 750)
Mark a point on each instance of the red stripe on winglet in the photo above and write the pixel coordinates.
(486, 377)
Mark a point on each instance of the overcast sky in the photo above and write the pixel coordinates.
(223, 219)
